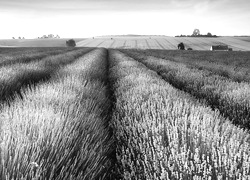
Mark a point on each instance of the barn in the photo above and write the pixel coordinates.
(219, 48)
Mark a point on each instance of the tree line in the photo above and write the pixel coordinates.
(196, 33)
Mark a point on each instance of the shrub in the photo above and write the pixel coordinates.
(71, 43)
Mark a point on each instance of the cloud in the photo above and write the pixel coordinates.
(59, 7)
(97, 5)
(98, 17)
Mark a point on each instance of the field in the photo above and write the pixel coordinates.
(165, 42)
(35, 42)
(136, 42)
(94, 113)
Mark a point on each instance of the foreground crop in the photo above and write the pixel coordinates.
(163, 133)
(103, 115)
(59, 130)
(234, 65)
(14, 77)
(230, 97)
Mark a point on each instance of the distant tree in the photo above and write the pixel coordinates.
(71, 43)
(51, 36)
(209, 34)
(23, 38)
(13, 37)
(196, 32)
(181, 46)
(19, 38)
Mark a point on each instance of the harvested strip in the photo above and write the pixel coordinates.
(13, 77)
(231, 98)
(136, 44)
(147, 44)
(99, 44)
(162, 47)
(173, 45)
(59, 129)
(125, 44)
(163, 133)
(112, 44)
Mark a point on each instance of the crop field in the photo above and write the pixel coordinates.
(94, 114)
(36, 42)
(165, 42)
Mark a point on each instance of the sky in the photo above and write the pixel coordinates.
(87, 18)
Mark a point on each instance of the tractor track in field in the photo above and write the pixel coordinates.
(86, 44)
(202, 45)
(203, 41)
(147, 44)
(159, 44)
(99, 44)
(124, 44)
(170, 43)
(194, 45)
(235, 45)
(136, 45)
(112, 44)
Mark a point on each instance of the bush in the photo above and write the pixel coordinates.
(71, 43)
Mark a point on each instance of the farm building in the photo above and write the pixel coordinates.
(219, 48)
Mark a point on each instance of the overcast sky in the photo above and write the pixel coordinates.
(86, 18)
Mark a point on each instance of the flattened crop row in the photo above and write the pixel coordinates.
(13, 77)
(59, 130)
(231, 98)
(164, 133)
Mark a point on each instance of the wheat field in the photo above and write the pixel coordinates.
(165, 42)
